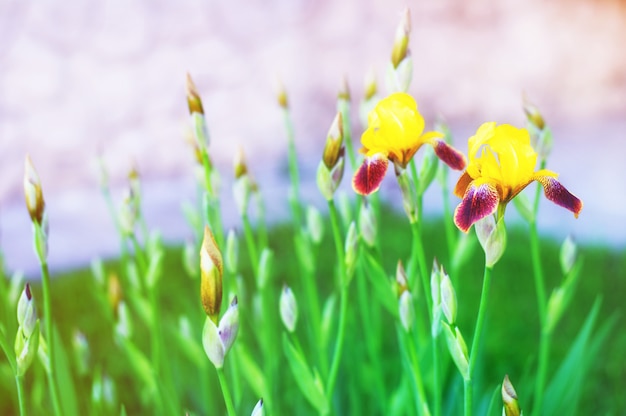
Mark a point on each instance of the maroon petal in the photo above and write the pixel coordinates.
(449, 155)
(478, 202)
(557, 193)
(370, 174)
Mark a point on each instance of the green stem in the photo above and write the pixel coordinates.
(293, 169)
(480, 320)
(140, 256)
(341, 332)
(344, 109)
(334, 367)
(418, 259)
(315, 314)
(19, 382)
(417, 376)
(251, 243)
(230, 408)
(47, 308)
(447, 215)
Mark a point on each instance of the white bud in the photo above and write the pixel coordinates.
(406, 311)
(288, 308)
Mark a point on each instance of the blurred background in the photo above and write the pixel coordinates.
(80, 80)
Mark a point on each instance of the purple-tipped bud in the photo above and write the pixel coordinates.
(27, 312)
(258, 409)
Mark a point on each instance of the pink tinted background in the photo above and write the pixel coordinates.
(78, 79)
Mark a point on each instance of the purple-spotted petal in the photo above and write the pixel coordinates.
(558, 194)
(449, 155)
(480, 200)
(370, 174)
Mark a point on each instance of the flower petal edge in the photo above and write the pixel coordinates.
(557, 193)
(370, 174)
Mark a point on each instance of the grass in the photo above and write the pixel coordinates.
(511, 331)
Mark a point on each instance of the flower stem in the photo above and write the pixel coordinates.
(47, 308)
(341, 330)
(423, 409)
(480, 320)
(228, 400)
(293, 168)
(251, 243)
(19, 382)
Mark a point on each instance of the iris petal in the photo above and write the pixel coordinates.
(481, 199)
(558, 194)
(370, 174)
(449, 155)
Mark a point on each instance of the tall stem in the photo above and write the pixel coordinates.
(228, 400)
(19, 382)
(251, 243)
(40, 239)
(480, 320)
(334, 367)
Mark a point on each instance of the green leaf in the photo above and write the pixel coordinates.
(382, 285)
(565, 389)
(251, 371)
(310, 385)
(327, 320)
(65, 382)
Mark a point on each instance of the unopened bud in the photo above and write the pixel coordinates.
(114, 291)
(409, 196)
(435, 283)
(266, 267)
(81, 351)
(428, 169)
(26, 348)
(328, 180)
(26, 311)
(229, 325)
(492, 238)
(370, 84)
(232, 252)
(401, 282)
(123, 326)
(239, 163)
(533, 115)
(448, 298)
(213, 346)
(399, 77)
(406, 310)
(211, 269)
(367, 224)
(334, 142)
(128, 213)
(351, 249)
(315, 224)
(509, 398)
(288, 308)
(281, 96)
(32, 192)
(567, 255)
(193, 97)
(344, 90)
(258, 409)
(242, 189)
(401, 42)
(458, 349)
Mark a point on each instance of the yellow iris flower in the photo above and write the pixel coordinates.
(502, 163)
(396, 132)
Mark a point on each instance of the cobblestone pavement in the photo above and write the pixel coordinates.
(78, 79)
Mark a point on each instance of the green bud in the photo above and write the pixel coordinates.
(567, 255)
(367, 224)
(406, 310)
(213, 346)
(401, 41)
(27, 312)
(26, 348)
(509, 399)
(229, 325)
(409, 196)
(402, 283)
(242, 188)
(458, 349)
(328, 180)
(288, 308)
(266, 266)
(435, 281)
(232, 252)
(448, 298)
(351, 249)
(333, 149)
(80, 347)
(428, 169)
(258, 409)
(32, 192)
(492, 238)
(315, 224)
